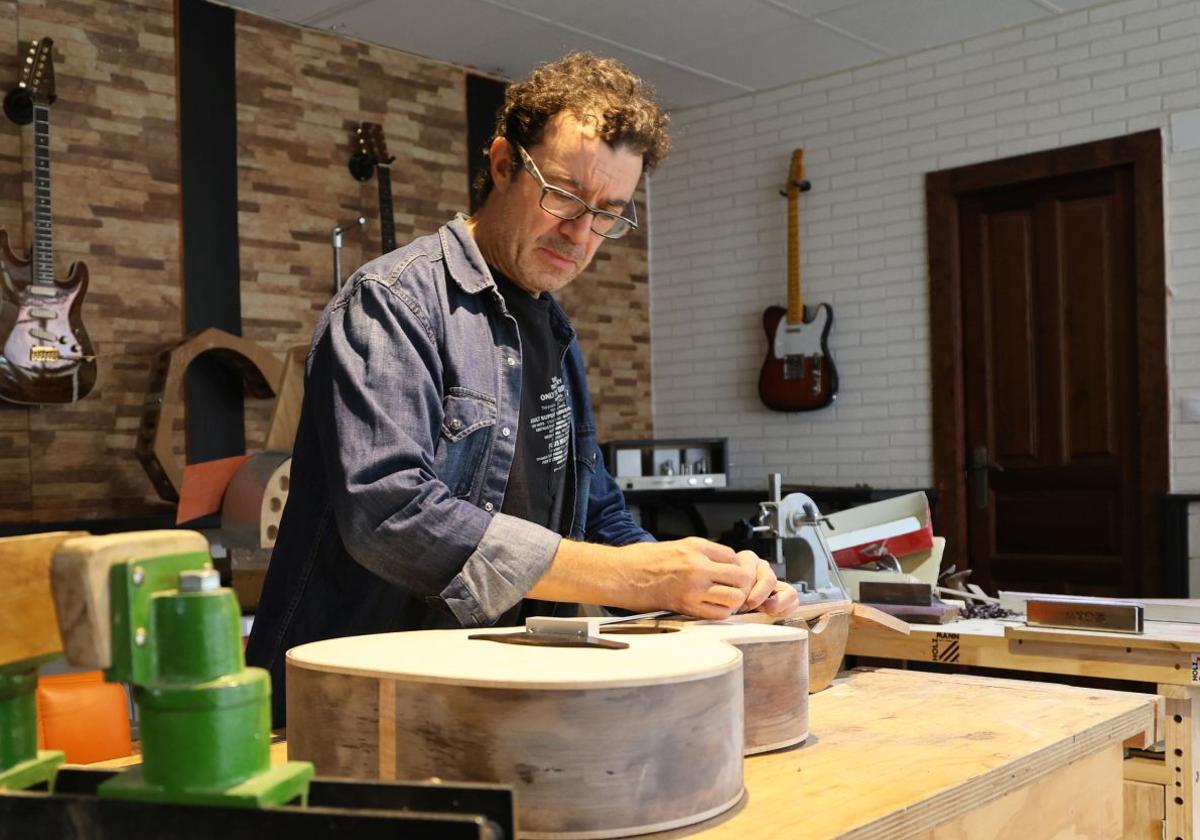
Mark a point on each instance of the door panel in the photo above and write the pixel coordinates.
(1050, 370)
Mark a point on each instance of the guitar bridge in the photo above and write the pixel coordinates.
(42, 353)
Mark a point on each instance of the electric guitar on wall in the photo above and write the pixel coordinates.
(47, 355)
(372, 153)
(798, 373)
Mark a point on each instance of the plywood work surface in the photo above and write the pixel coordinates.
(1166, 653)
(895, 754)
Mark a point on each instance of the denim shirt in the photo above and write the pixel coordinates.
(402, 455)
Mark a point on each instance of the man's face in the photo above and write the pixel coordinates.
(541, 252)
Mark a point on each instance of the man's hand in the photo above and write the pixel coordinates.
(782, 602)
(692, 576)
(768, 595)
(764, 580)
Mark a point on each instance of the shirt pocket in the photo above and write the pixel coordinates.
(468, 419)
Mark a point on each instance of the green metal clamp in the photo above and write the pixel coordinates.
(205, 717)
(22, 764)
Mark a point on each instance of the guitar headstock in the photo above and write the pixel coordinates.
(796, 183)
(37, 73)
(371, 135)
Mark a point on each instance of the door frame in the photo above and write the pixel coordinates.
(1144, 154)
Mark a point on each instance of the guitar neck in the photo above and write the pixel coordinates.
(795, 307)
(43, 225)
(387, 224)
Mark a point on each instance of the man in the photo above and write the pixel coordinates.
(446, 470)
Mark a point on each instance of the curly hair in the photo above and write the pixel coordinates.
(590, 88)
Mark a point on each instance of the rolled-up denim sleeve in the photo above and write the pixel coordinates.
(375, 381)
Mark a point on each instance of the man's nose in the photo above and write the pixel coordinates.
(577, 230)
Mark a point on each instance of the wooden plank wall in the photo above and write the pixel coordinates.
(115, 168)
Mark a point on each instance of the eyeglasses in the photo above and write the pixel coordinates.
(569, 207)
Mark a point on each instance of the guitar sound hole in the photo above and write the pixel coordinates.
(638, 629)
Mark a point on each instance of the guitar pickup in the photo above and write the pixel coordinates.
(42, 353)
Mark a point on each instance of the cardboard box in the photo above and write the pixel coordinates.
(918, 567)
(899, 526)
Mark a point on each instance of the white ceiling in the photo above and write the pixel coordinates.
(694, 51)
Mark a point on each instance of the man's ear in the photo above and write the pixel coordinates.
(500, 160)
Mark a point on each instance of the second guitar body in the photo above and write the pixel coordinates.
(48, 355)
(798, 373)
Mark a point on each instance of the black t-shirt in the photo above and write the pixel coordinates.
(541, 467)
(537, 482)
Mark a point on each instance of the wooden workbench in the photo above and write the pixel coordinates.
(1167, 655)
(901, 754)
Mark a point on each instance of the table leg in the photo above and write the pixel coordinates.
(1183, 760)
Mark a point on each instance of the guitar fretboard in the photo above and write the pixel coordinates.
(795, 307)
(387, 223)
(43, 225)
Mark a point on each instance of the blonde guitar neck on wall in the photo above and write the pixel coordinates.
(798, 373)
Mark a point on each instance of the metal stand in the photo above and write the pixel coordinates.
(801, 554)
(336, 240)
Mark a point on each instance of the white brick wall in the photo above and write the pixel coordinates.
(718, 237)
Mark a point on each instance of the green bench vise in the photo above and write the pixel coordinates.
(174, 635)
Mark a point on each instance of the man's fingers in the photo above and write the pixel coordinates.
(714, 551)
(728, 597)
(764, 579)
(783, 601)
(762, 590)
(733, 574)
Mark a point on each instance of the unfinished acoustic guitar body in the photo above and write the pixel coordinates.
(597, 742)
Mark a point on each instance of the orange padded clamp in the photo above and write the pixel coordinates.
(84, 716)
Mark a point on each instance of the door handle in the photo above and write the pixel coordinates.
(980, 468)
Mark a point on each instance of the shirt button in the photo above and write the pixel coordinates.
(506, 431)
(455, 423)
(511, 361)
(488, 506)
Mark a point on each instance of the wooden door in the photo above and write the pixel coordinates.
(1048, 293)
(1049, 360)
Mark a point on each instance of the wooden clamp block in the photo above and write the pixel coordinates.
(28, 628)
(79, 575)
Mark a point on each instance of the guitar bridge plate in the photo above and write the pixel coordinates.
(42, 353)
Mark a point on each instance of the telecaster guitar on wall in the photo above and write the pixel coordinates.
(372, 153)
(798, 373)
(48, 356)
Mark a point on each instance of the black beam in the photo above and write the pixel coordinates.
(208, 176)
